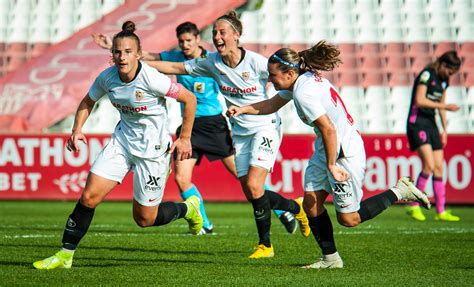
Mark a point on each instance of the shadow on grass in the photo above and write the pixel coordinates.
(126, 249)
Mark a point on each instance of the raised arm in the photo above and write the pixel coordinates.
(105, 42)
(261, 108)
(170, 68)
(82, 113)
(183, 143)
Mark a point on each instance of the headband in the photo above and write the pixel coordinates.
(296, 66)
(230, 23)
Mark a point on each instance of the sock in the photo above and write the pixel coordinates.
(321, 227)
(77, 225)
(194, 191)
(421, 185)
(439, 193)
(261, 211)
(279, 202)
(170, 211)
(373, 206)
(277, 212)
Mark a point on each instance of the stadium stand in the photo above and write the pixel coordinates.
(384, 44)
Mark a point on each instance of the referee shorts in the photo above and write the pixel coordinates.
(211, 138)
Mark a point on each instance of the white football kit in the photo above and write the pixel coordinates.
(256, 138)
(313, 97)
(140, 141)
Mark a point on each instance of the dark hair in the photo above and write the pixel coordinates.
(450, 59)
(233, 20)
(187, 27)
(128, 31)
(320, 57)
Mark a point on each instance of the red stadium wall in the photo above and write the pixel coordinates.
(39, 167)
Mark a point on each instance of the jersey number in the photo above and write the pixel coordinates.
(335, 98)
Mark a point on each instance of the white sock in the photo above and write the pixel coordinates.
(397, 192)
(332, 257)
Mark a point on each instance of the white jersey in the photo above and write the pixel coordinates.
(240, 86)
(313, 97)
(142, 129)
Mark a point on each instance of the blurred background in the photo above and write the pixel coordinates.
(48, 62)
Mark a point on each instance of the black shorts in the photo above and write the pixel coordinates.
(211, 138)
(424, 133)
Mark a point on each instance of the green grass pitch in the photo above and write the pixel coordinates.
(391, 250)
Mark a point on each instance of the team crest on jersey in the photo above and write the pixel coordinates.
(245, 76)
(139, 95)
(199, 87)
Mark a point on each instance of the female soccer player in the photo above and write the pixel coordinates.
(338, 163)
(210, 135)
(242, 76)
(429, 95)
(140, 143)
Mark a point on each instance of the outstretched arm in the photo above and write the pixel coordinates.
(105, 42)
(170, 68)
(83, 112)
(261, 108)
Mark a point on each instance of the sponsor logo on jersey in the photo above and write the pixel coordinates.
(153, 183)
(139, 95)
(266, 142)
(342, 190)
(265, 146)
(128, 109)
(237, 92)
(245, 76)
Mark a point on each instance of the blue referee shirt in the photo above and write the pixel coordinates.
(205, 88)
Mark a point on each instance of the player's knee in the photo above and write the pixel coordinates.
(89, 200)
(142, 221)
(348, 221)
(182, 180)
(255, 188)
(438, 170)
(428, 168)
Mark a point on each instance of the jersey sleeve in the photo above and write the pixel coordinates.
(425, 77)
(310, 105)
(161, 85)
(200, 66)
(97, 90)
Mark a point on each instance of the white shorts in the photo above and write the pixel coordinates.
(149, 175)
(346, 195)
(259, 149)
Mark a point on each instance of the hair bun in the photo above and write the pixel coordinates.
(128, 26)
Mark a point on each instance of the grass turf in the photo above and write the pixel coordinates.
(391, 250)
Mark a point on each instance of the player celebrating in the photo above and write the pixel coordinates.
(210, 135)
(140, 143)
(338, 163)
(429, 95)
(242, 76)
